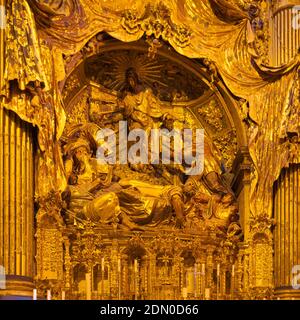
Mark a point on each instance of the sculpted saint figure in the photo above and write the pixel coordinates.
(140, 105)
(94, 193)
(203, 202)
(86, 177)
(104, 193)
(97, 194)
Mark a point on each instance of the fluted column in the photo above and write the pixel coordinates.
(285, 35)
(16, 203)
(287, 231)
(285, 45)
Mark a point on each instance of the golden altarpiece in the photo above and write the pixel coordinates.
(84, 230)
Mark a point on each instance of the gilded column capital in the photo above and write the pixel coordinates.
(260, 229)
(50, 206)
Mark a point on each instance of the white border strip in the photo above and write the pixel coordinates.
(2, 17)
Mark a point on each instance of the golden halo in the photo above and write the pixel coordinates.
(147, 70)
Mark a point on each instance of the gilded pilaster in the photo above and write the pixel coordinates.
(49, 255)
(1, 187)
(125, 276)
(67, 264)
(152, 271)
(145, 276)
(114, 270)
(241, 185)
(209, 269)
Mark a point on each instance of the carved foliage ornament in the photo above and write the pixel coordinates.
(156, 21)
(261, 225)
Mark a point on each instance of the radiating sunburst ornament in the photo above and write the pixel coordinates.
(147, 70)
(166, 78)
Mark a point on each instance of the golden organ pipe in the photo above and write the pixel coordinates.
(12, 185)
(294, 220)
(286, 214)
(23, 213)
(281, 240)
(291, 220)
(275, 210)
(18, 196)
(6, 191)
(287, 223)
(297, 216)
(285, 37)
(31, 200)
(1, 188)
(27, 223)
(290, 38)
(2, 143)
